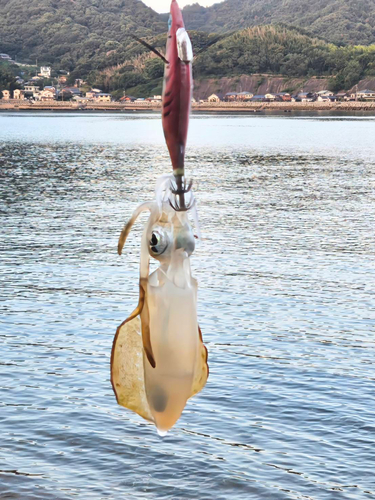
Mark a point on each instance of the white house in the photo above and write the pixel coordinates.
(6, 94)
(214, 98)
(103, 97)
(45, 71)
(47, 95)
(93, 93)
(326, 93)
(366, 94)
(18, 94)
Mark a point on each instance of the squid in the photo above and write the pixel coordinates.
(158, 357)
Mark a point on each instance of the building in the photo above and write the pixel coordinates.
(31, 90)
(270, 97)
(5, 57)
(342, 96)
(103, 97)
(73, 90)
(93, 93)
(244, 96)
(326, 93)
(47, 94)
(18, 94)
(213, 98)
(366, 94)
(283, 96)
(258, 98)
(323, 98)
(45, 71)
(230, 96)
(130, 98)
(6, 94)
(305, 97)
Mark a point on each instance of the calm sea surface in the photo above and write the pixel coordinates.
(286, 305)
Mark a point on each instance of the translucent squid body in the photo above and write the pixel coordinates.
(158, 357)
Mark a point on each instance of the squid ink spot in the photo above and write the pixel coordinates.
(159, 399)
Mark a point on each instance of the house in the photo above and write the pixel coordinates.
(323, 98)
(270, 97)
(230, 96)
(81, 99)
(213, 98)
(18, 94)
(283, 96)
(258, 98)
(45, 71)
(31, 90)
(342, 96)
(66, 94)
(5, 57)
(366, 94)
(326, 93)
(305, 97)
(47, 94)
(91, 94)
(6, 94)
(156, 98)
(244, 96)
(130, 98)
(103, 97)
(73, 90)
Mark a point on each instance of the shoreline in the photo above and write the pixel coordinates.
(250, 107)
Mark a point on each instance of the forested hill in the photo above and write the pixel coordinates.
(270, 50)
(337, 21)
(73, 33)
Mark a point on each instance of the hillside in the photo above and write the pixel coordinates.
(74, 34)
(260, 50)
(336, 21)
(90, 39)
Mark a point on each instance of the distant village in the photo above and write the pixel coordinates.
(35, 90)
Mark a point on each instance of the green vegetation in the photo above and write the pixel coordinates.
(276, 50)
(8, 73)
(90, 39)
(337, 21)
(79, 35)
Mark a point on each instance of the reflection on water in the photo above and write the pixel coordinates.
(286, 306)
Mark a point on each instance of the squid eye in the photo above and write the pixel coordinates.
(158, 243)
(154, 241)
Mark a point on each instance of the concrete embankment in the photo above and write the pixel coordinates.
(250, 107)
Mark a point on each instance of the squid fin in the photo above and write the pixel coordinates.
(127, 375)
(201, 368)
